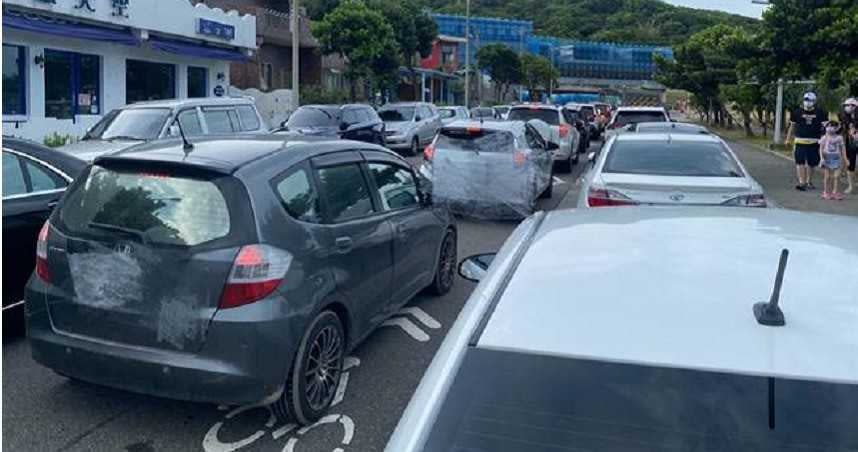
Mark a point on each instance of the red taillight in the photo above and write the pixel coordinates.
(564, 130)
(42, 270)
(599, 197)
(429, 152)
(519, 157)
(474, 130)
(256, 272)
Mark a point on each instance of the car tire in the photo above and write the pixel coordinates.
(549, 190)
(324, 338)
(415, 147)
(445, 268)
(565, 166)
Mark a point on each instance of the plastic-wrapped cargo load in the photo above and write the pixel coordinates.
(488, 170)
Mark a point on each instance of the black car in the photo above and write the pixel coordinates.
(34, 178)
(350, 122)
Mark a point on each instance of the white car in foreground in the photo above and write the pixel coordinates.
(650, 330)
(668, 169)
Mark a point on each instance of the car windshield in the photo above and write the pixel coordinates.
(396, 114)
(313, 117)
(482, 112)
(131, 124)
(446, 113)
(476, 140)
(673, 158)
(629, 117)
(526, 114)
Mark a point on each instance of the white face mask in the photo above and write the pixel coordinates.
(849, 109)
(807, 104)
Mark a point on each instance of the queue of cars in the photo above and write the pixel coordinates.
(169, 259)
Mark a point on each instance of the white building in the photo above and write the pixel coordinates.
(68, 62)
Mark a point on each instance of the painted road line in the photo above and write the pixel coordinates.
(409, 327)
(421, 316)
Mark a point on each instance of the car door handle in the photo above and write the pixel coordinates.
(343, 244)
(52, 204)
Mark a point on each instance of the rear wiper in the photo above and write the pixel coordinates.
(323, 111)
(114, 228)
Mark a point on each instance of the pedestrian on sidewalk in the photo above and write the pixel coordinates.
(832, 149)
(849, 127)
(807, 126)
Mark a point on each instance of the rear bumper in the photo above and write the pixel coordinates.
(241, 362)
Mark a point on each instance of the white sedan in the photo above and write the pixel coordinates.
(668, 169)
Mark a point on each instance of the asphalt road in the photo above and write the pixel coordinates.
(46, 412)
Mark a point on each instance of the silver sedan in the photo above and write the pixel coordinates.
(668, 169)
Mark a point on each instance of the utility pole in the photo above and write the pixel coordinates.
(479, 75)
(296, 47)
(467, 53)
(779, 113)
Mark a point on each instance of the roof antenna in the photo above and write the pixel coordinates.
(186, 145)
(770, 314)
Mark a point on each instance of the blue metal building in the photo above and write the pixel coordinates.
(486, 30)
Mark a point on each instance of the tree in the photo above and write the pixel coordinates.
(502, 65)
(413, 29)
(818, 41)
(317, 9)
(358, 34)
(537, 72)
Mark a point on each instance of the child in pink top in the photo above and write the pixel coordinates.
(832, 150)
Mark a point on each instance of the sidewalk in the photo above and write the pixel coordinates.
(777, 176)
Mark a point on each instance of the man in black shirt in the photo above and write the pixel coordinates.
(849, 128)
(807, 123)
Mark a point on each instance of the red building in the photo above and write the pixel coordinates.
(445, 51)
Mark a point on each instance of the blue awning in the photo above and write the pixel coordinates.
(196, 50)
(60, 27)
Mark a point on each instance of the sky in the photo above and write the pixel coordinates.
(743, 7)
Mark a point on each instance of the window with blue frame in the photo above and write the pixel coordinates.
(72, 84)
(14, 80)
(198, 78)
(146, 80)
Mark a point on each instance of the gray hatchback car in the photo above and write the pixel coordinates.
(240, 270)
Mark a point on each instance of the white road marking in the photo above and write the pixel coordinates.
(341, 389)
(348, 429)
(283, 430)
(329, 419)
(211, 443)
(349, 362)
(421, 316)
(409, 327)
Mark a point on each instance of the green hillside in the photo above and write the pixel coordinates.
(644, 21)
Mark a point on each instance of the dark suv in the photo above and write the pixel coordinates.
(351, 122)
(234, 271)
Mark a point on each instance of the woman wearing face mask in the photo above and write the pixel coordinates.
(849, 127)
(832, 150)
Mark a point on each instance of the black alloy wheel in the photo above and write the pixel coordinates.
(315, 374)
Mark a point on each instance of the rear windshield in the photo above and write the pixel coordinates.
(502, 110)
(482, 112)
(313, 117)
(676, 158)
(526, 114)
(628, 117)
(152, 207)
(396, 114)
(447, 113)
(481, 141)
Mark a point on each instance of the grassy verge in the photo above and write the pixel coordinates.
(738, 134)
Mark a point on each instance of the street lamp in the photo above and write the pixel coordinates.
(296, 45)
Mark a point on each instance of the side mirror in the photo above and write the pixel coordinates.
(417, 118)
(174, 130)
(474, 268)
(591, 158)
(344, 126)
(551, 146)
(283, 123)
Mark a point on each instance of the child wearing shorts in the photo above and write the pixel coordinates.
(832, 150)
